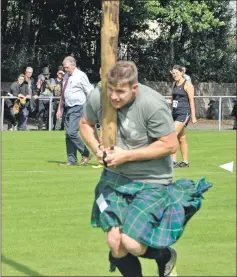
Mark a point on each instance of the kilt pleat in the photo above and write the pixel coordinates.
(152, 214)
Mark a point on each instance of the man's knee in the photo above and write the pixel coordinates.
(114, 237)
(25, 112)
(132, 246)
(71, 134)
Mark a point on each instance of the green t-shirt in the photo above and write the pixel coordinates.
(139, 124)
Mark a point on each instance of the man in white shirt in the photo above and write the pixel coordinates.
(76, 88)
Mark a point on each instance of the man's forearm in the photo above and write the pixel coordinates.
(88, 134)
(61, 103)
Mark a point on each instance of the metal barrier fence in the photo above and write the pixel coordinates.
(51, 98)
(221, 107)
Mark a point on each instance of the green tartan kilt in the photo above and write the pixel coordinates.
(154, 215)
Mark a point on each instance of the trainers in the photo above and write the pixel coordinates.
(85, 160)
(175, 164)
(169, 269)
(68, 164)
(14, 128)
(97, 166)
(183, 164)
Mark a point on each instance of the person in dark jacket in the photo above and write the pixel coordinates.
(234, 113)
(45, 89)
(18, 116)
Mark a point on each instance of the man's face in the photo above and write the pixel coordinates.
(20, 80)
(28, 73)
(68, 67)
(60, 75)
(121, 94)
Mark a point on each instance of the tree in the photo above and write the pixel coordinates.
(194, 33)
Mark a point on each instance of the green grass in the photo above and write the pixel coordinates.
(46, 210)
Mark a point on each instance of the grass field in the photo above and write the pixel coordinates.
(46, 210)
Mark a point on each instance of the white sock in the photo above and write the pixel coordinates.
(185, 162)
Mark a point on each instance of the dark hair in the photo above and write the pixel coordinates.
(178, 67)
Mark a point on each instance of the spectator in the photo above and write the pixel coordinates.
(75, 91)
(183, 109)
(234, 113)
(32, 95)
(45, 88)
(58, 123)
(29, 80)
(20, 115)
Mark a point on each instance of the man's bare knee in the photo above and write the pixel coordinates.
(132, 246)
(114, 240)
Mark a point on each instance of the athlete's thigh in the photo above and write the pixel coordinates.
(179, 127)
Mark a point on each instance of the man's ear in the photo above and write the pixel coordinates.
(135, 89)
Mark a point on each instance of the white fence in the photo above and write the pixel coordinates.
(220, 100)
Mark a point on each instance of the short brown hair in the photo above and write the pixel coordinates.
(21, 75)
(179, 67)
(123, 72)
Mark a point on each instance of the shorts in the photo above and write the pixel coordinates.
(184, 118)
(154, 215)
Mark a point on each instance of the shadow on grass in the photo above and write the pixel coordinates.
(57, 162)
(20, 267)
(90, 163)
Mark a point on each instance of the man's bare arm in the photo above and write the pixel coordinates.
(87, 130)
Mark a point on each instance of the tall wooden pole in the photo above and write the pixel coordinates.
(109, 43)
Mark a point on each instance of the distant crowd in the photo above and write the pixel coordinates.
(30, 98)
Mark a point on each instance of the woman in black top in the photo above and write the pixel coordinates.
(183, 109)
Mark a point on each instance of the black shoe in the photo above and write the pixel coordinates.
(183, 164)
(169, 268)
(175, 164)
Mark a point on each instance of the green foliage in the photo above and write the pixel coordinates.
(194, 33)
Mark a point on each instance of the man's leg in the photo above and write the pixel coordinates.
(73, 141)
(40, 114)
(127, 264)
(235, 124)
(24, 114)
(56, 122)
(10, 114)
(70, 147)
(164, 257)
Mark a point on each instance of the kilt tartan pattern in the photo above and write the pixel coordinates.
(152, 214)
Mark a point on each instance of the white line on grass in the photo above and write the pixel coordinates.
(28, 171)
